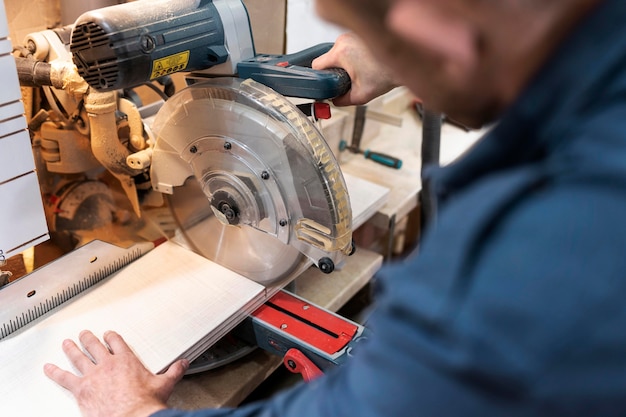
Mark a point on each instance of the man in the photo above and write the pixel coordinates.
(515, 304)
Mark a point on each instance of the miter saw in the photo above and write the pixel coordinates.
(252, 183)
(250, 180)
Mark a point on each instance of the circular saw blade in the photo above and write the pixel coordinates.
(245, 250)
(254, 187)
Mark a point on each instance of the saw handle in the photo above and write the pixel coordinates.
(343, 82)
(291, 75)
(305, 59)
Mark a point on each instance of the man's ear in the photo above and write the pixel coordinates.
(447, 38)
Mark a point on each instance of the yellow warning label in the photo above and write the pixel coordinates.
(169, 64)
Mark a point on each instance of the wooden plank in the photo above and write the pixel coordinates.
(164, 304)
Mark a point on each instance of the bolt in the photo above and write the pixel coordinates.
(306, 307)
(326, 265)
(228, 212)
(291, 364)
(265, 175)
(283, 326)
(147, 43)
(193, 149)
(282, 222)
(227, 146)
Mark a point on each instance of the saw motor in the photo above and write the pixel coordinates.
(131, 43)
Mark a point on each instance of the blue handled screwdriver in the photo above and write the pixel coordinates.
(379, 157)
(357, 133)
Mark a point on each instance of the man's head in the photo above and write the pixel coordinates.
(467, 58)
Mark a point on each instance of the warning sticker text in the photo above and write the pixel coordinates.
(169, 64)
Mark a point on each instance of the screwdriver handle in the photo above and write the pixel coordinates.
(383, 159)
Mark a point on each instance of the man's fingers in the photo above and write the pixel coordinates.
(93, 346)
(116, 343)
(322, 62)
(177, 370)
(64, 378)
(76, 356)
(329, 60)
(345, 100)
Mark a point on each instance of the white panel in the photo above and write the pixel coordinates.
(16, 156)
(5, 46)
(22, 218)
(11, 126)
(4, 27)
(11, 110)
(10, 84)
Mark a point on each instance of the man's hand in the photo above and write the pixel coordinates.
(369, 77)
(115, 383)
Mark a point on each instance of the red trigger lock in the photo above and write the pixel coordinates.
(298, 363)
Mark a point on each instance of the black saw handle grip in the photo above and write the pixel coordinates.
(291, 75)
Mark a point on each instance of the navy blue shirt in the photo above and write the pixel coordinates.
(516, 302)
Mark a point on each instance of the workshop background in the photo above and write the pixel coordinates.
(392, 124)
